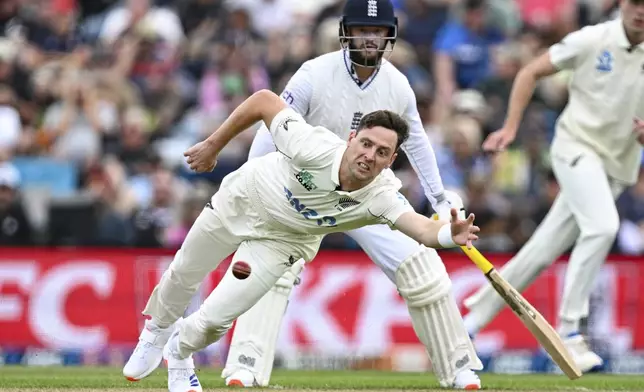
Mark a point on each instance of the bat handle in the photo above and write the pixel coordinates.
(478, 259)
(474, 255)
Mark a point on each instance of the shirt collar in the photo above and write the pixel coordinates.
(335, 169)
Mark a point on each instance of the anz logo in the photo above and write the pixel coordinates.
(308, 213)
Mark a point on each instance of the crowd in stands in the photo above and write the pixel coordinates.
(99, 99)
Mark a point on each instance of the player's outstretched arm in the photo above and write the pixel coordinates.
(264, 105)
(436, 233)
(522, 91)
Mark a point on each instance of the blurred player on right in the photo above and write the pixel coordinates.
(596, 154)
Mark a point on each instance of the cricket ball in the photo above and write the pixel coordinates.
(241, 270)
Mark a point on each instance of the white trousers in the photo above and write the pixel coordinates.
(586, 212)
(584, 215)
(218, 232)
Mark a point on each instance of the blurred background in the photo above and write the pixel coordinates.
(99, 99)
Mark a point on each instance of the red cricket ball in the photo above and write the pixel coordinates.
(241, 270)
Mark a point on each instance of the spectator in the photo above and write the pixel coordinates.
(15, 228)
(190, 210)
(423, 21)
(151, 222)
(73, 125)
(459, 158)
(197, 14)
(115, 203)
(463, 48)
(270, 16)
(99, 99)
(10, 124)
(142, 17)
(630, 205)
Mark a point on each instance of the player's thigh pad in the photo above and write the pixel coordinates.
(386, 247)
(256, 332)
(233, 296)
(423, 282)
(207, 243)
(588, 192)
(262, 144)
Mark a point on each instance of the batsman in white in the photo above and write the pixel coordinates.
(596, 153)
(335, 90)
(272, 212)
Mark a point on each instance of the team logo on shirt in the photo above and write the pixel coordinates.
(355, 121)
(306, 179)
(346, 202)
(284, 123)
(604, 61)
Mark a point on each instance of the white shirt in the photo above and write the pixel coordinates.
(298, 185)
(606, 94)
(163, 21)
(10, 127)
(269, 17)
(325, 92)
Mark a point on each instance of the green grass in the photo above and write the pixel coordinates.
(88, 378)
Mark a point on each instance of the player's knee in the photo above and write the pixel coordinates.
(606, 229)
(179, 277)
(214, 326)
(422, 279)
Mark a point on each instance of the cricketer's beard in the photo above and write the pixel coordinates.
(358, 56)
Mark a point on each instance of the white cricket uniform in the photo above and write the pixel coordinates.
(271, 212)
(595, 154)
(325, 92)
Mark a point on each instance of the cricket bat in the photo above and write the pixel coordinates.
(531, 318)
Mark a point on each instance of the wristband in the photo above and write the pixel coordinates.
(445, 237)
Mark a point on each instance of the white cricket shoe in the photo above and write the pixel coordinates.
(148, 353)
(243, 378)
(467, 379)
(181, 372)
(583, 356)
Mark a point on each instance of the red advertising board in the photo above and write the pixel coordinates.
(91, 299)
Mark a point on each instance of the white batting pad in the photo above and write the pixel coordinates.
(424, 284)
(256, 331)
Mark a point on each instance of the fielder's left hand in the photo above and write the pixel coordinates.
(202, 157)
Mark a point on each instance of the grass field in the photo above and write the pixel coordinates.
(80, 379)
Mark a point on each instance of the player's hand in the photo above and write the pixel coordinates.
(201, 157)
(638, 129)
(463, 231)
(498, 140)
